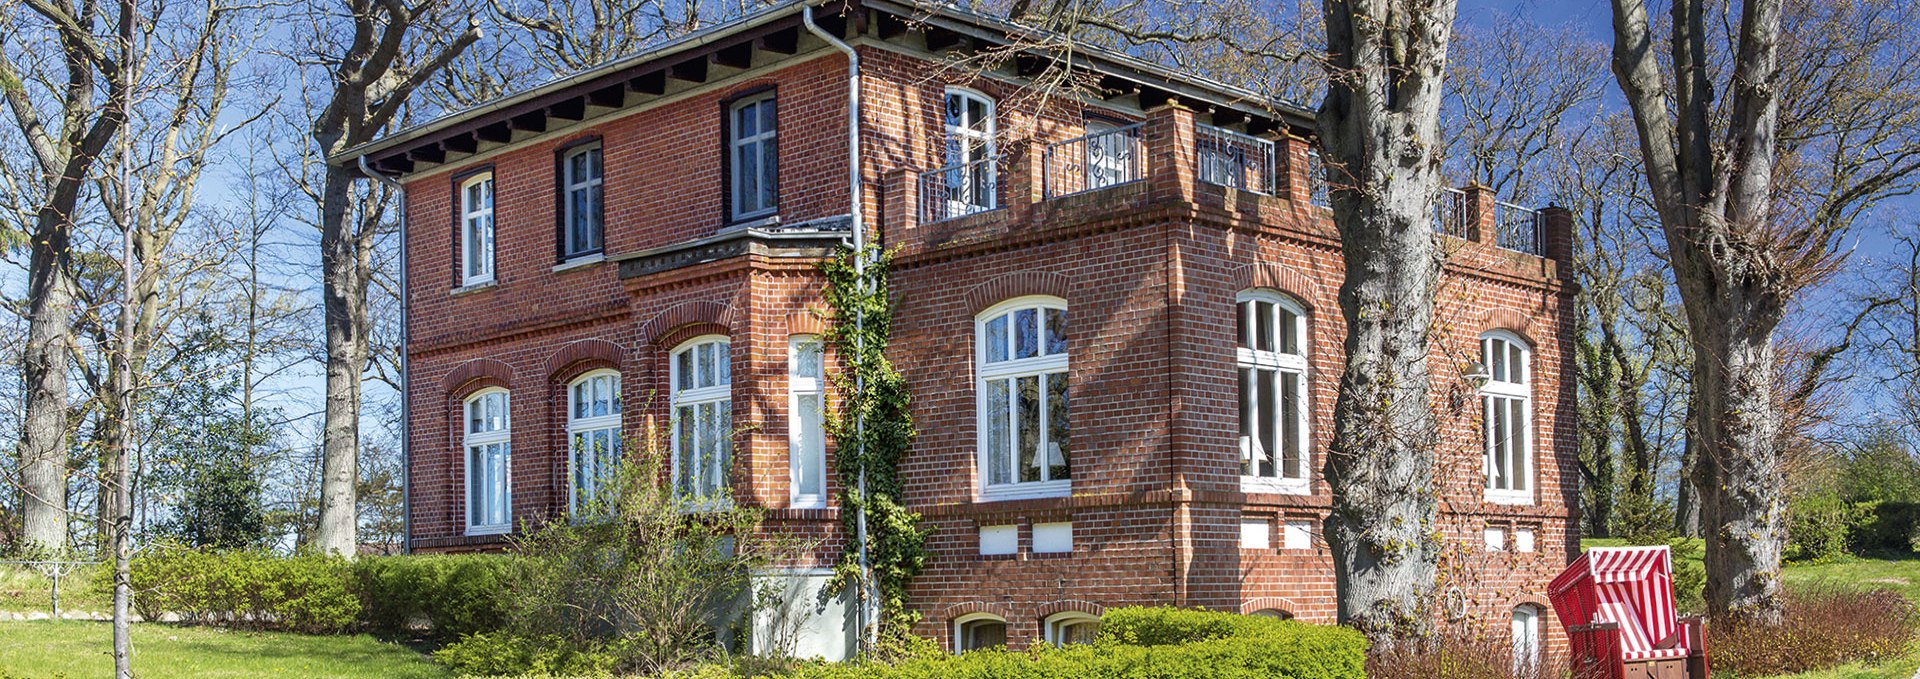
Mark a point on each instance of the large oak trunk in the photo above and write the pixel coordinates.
(43, 437)
(344, 266)
(1738, 463)
(1386, 60)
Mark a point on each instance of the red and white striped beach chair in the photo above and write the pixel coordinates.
(1617, 606)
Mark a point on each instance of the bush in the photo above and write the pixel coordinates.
(1894, 527)
(252, 589)
(1822, 525)
(456, 595)
(501, 653)
(1822, 628)
(1174, 644)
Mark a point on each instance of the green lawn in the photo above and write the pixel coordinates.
(81, 650)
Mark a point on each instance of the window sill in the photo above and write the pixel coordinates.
(473, 287)
(489, 530)
(759, 221)
(1027, 491)
(580, 262)
(1275, 485)
(1509, 497)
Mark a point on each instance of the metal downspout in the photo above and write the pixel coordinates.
(856, 189)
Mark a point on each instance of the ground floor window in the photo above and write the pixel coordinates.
(1072, 628)
(979, 631)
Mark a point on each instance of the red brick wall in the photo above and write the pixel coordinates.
(1149, 271)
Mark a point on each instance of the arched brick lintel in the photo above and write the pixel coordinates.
(1074, 606)
(1277, 277)
(965, 608)
(1278, 603)
(1009, 286)
(579, 356)
(477, 374)
(656, 329)
(808, 322)
(1512, 321)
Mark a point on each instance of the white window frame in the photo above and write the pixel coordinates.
(737, 145)
(1041, 366)
(960, 631)
(1526, 639)
(607, 425)
(596, 231)
(1502, 390)
(803, 442)
(1058, 624)
(477, 232)
(712, 488)
(1294, 366)
(473, 443)
(961, 195)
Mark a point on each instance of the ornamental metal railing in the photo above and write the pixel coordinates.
(1229, 158)
(1450, 215)
(1516, 228)
(1319, 192)
(960, 190)
(1093, 161)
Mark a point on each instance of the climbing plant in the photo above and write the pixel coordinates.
(873, 430)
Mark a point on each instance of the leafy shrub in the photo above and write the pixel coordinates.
(252, 589)
(1821, 526)
(1894, 527)
(1823, 627)
(1174, 644)
(501, 653)
(456, 595)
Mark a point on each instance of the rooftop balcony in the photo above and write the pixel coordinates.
(1170, 162)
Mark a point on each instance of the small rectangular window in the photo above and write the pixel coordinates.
(1494, 538)
(1256, 533)
(582, 206)
(1299, 534)
(999, 540)
(1523, 540)
(1053, 538)
(753, 158)
(476, 230)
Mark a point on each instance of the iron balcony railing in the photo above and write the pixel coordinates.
(1319, 193)
(1450, 215)
(1516, 228)
(960, 190)
(1095, 160)
(1228, 158)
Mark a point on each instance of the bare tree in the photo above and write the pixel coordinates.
(67, 106)
(1752, 197)
(1379, 126)
(391, 49)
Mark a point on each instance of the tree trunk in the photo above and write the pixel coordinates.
(344, 263)
(43, 436)
(1386, 60)
(1739, 462)
(1686, 509)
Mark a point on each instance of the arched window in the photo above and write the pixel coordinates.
(487, 443)
(476, 229)
(806, 433)
(1272, 360)
(593, 437)
(1072, 627)
(581, 213)
(978, 631)
(1506, 405)
(1022, 390)
(1526, 639)
(702, 418)
(972, 179)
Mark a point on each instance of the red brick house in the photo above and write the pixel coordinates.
(646, 233)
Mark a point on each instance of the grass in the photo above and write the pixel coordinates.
(24, 589)
(81, 650)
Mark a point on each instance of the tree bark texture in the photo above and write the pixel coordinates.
(1378, 126)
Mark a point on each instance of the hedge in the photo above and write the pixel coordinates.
(454, 595)
(1894, 527)
(1165, 644)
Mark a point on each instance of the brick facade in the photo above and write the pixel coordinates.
(1148, 270)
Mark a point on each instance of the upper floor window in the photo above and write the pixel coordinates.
(806, 433)
(1506, 404)
(702, 418)
(487, 443)
(593, 438)
(1022, 387)
(752, 156)
(971, 175)
(582, 209)
(1272, 360)
(476, 229)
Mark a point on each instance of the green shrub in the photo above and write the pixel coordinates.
(456, 595)
(251, 589)
(1171, 644)
(1894, 527)
(1821, 526)
(501, 653)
